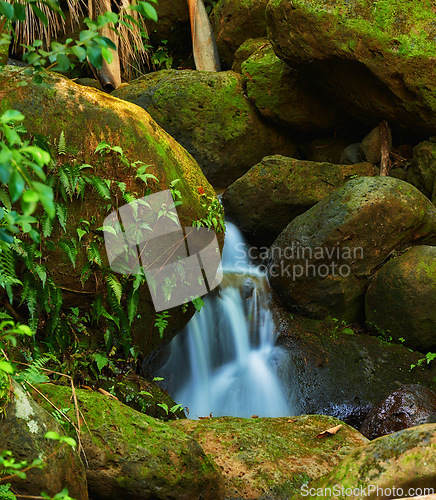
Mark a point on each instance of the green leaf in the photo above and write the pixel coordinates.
(39, 14)
(100, 360)
(11, 115)
(63, 63)
(81, 233)
(20, 11)
(52, 435)
(46, 197)
(148, 11)
(86, 35)
(16, 186)
(6, 367)
(79, 52)
(94, 56)
(7, 10)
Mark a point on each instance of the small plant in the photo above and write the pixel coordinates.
(161, 322)
(429, 357)
(214, 218)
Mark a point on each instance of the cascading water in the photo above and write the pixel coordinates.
(225, 361)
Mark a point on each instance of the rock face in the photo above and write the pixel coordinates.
(271, 457)
(233, 22)
(133, 456)
(278, 189)
(208, 114)
(402, 460)
(247, 48)
(322, 262)
(281, 94)
(401, 299)
(87, 117)
(22, 432)
(409, 406)
(320, 352)
(422, 171)
(377, 62)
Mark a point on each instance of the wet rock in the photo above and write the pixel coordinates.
(408, 406)
(399, 461)
(248, 288)
(233, 22)
(209, 115)
(322, 262)
(422, 171)
(376, 63)
(335, 369)
(22, 432)
(271, 457)
(131, 455)
(401, 299)
(278, 189)
(281, 94)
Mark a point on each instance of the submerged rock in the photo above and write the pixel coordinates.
(395, 463)
(322, 262)
(131, 455)
(22, 432)
(401, 299)
(278, 189)
(209, 115)
(271, 457)
(377, 61)
(408, 406)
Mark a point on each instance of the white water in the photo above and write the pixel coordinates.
(225, 362)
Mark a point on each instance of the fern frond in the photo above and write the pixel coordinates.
(132, 305)
(5, 199)
(115, 286)
(62, 213)
(46, 225)
(70, 248)
(100, 186)
(62, 144)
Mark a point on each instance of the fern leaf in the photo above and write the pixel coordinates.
(100, 186)
(46, 225)
(5, 198)
(93, 254)
(62, 144)
(115, 286)
(132, 305)
(62, 213)
(69, 247)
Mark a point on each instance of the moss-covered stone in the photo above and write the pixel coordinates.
(278, 189)
(22, 431)
(280, 93)
(131, 455)
(210, 116)
(395, 463)
(87, 117)
(377, 60)
(323, 260)
(401, 299)
(271, 457)
(247, 48)
(422, 171)
(233, 22)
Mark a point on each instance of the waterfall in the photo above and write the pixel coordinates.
(225, 361)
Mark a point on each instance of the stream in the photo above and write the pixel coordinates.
(225, 361)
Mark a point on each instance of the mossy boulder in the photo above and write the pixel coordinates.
(247, 48)
(141, 395)
(281, 94)
(422, 170)
(131, 455)
(271, 457)
(376, 61)
(322, 262)
(339, 370)
(22, 431)
(275, 191)
(401, 299)
(209, 115)
(233, 22)
(395, 463)
(86, 117)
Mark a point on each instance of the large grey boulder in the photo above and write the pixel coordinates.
(323, 260)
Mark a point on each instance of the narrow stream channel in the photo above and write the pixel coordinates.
(225, 361)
